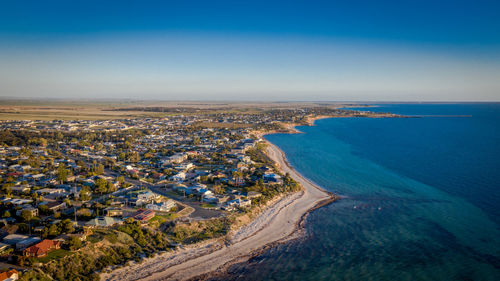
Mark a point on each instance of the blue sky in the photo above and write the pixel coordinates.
(251, 50)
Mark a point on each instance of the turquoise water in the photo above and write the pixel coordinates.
(422, 198)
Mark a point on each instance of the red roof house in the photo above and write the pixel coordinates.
(9, 275)
(144, 215)
(42, 249)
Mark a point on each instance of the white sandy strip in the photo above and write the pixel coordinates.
(276, 223)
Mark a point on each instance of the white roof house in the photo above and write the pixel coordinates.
(163, 206)
(103, 222)
(179, 177)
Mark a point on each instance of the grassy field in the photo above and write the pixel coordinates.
(206, 205)
(24, 113)
(55, 254)
(158, 220)
(104, 110)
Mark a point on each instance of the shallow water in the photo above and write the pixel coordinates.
(422, 198)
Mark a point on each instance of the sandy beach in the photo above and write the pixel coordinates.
(278, 223)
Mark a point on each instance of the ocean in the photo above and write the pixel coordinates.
(421, 198)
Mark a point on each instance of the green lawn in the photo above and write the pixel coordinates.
(55, 254)
(173, 193)
(206, 205)
(159, 219)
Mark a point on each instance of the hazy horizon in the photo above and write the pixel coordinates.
(252, 51)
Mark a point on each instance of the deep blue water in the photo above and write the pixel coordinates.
(422, 198)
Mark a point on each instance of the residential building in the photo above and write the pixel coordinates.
(21, 245)
(9, 275)
(42, 249)
(163, 206)
(103, 222)
(144, 215)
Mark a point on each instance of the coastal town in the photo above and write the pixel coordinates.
(83, 197)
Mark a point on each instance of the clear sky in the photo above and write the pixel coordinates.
(350, 50)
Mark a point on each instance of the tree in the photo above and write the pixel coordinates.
(44, 210)
(34, 196)
(85, 194)
(98, 169)
(84, 212)
(68, 202)
(43, 142)
(67, 226)
(81, 164)
(101, 186)
(26, 215)
(53, 230)
(6, 214)
(218, 189)
(62, 173)
(133, 156)
(120, 179)
(110, 187)
(45, 232)
(74, 243)
(7, 190)
(23, 228)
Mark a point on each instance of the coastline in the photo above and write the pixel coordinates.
(279, 222)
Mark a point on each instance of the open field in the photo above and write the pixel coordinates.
(102, 110)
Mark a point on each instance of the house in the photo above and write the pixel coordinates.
(9, 275)
(20, 189)
(25, 168)
(103, 222)
(237, 203)
(113, 212)
(144, 215)
(185, 166)
(55, 206)
(177, 158)
(17, 201)
(82, 236)
(3, 247)
(179, 188)
(146, 196)
(271, 178)
(163, 206)
(38, 177)
(39, 229)
(51, 191)
(245, 159)
(222, 199)
(33, 211)
(12, 239)
(21, 245)
(209, 199)
(178, 177)
(192, 190)
(16, 167)
(252, 194)
(205, 192)
(42, 249)
(7, 221)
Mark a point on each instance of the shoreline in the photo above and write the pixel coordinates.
(281, 221)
